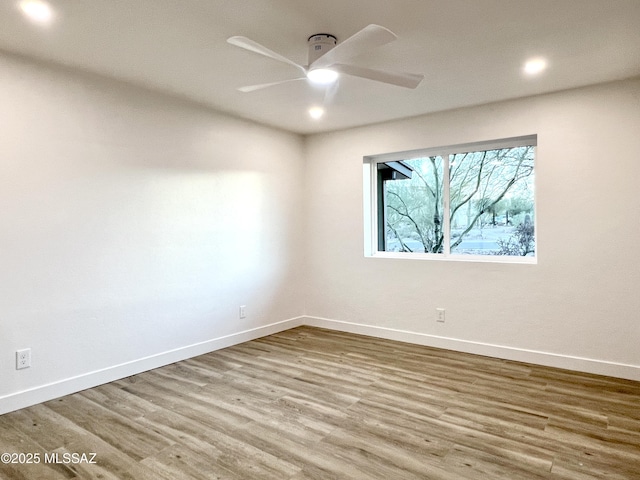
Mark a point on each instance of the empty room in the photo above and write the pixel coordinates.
(295, 239)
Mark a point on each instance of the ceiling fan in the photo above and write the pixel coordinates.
(327, 59)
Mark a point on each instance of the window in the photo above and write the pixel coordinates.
(467, 202)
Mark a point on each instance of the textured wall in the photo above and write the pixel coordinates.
(134, 224)
(580, 300)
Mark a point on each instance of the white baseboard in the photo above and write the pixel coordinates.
(43, 393)
(587, 365)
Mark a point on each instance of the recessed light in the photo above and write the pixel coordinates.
(322, 76)
(316, 112)
(535, 66)
(37, 11)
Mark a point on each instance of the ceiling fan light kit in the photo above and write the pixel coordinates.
(322, 76)
(327, 58)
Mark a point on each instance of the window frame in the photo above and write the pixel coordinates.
(371, 196)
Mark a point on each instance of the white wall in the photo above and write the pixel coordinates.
(132, 226)
(577, 308)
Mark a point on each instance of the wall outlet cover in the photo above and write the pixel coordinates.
(23, 358)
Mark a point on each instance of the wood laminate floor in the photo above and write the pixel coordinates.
(316, 404)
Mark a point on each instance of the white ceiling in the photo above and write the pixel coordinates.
(470, 51)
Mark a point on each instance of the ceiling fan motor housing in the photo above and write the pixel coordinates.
(319, 44)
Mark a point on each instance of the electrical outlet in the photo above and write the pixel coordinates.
(440, 315)
(23, 358)
(242, 311)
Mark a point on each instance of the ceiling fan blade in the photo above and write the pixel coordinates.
(330, 93)
(369, 37)
(252, 88)
(255, 47)
(401, 79)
